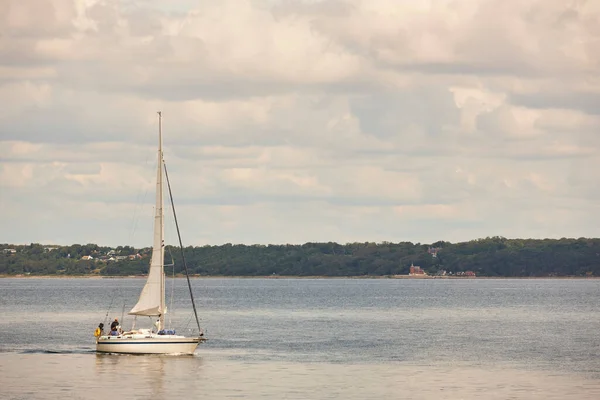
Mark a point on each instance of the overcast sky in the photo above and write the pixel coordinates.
(289, 121)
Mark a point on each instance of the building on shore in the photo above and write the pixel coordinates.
(416, 271)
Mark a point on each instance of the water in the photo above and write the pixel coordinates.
(312, 339)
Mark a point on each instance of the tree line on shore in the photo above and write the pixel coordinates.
(492, 256)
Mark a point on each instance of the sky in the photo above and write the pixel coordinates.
(293, 121)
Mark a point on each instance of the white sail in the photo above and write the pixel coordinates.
(152, 298)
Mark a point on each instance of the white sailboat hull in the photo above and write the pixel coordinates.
(154, 344)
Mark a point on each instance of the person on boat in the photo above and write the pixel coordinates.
(114, 331)
(115, 326)
(99, 330)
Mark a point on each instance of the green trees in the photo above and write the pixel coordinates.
(491, 256)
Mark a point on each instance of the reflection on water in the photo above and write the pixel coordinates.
(89, 376)
(152, 372)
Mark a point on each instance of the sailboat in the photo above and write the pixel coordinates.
(151, 302)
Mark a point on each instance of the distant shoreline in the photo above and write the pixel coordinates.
(490, 257)
(428, 277)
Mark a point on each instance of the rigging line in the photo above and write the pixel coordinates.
(134, 217)
(112, 298)
(170, 310)
(171, 302)
(139, 204)
(139, 201)
(122, 315)
(181, 248)
(188, 322)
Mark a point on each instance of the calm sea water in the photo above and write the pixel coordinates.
(312, 339)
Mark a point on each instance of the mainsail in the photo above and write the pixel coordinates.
(152, 298)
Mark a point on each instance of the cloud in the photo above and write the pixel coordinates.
(294, 121)
(587, 102)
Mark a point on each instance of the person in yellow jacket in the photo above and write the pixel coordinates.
(99, 330)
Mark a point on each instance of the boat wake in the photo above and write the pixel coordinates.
(50, 351)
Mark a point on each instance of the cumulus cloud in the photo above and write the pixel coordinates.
(298, 120)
